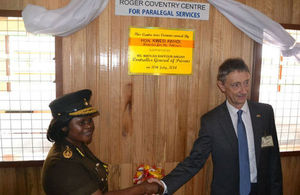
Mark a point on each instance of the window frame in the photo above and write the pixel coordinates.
(59, 87)
(256, 72)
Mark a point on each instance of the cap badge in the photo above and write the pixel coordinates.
(85, 102)
(68, 152)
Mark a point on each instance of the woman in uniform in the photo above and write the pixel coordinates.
(70, 167)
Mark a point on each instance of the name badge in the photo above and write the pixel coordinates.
(267, 141)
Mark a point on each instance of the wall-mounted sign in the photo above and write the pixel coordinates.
(160, 51)
(162, 8)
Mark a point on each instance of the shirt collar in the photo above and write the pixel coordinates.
(233, 110)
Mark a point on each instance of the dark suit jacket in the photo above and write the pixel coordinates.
(218, 138)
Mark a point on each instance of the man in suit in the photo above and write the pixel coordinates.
(244, 146)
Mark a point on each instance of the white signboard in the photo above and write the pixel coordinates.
(162, 8)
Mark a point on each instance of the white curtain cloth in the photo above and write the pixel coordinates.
(78, 13)
(63, 21)
(258, 26)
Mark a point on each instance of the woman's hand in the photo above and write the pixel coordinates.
(160, 185)
(140, 189)
(149, 188)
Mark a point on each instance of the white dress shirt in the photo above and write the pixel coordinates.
(249, 131)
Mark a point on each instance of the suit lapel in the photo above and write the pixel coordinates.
(257, 125)
(256, 119)
(226, 123)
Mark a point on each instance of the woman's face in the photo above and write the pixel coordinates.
(81, 130)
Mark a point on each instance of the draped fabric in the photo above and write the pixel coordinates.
(63, 21)
(258, 26)
(78, 13)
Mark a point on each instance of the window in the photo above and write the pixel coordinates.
(27, 85)
(280, 87)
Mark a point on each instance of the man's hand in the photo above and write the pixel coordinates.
(160, 185)
(150, 188)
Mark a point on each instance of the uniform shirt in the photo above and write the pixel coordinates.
(67, 170)
(249, 131)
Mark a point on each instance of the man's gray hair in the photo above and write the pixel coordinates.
(231, 65)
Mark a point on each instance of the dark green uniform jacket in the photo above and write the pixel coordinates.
(67, 170)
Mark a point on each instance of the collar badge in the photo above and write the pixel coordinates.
(67, 152)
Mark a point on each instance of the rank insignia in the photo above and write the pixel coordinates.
(67, 152)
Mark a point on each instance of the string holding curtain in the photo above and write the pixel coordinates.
(78, 13)
(63, 21)
(258, 26)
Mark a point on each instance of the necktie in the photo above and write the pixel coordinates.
(245, 183)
